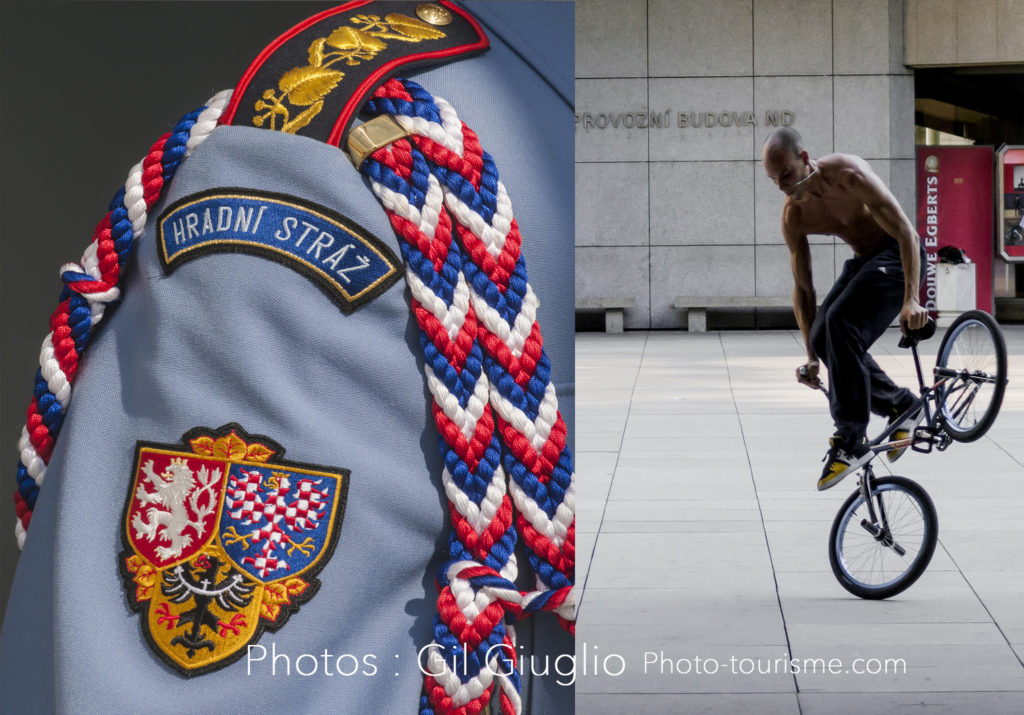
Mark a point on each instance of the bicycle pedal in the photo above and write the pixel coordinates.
(924, 446)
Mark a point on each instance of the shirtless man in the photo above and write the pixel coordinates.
(839, 194)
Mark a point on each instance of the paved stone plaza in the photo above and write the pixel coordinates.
(702, 542)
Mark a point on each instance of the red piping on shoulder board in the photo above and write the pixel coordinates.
(359, 95)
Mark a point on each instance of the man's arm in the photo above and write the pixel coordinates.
(804, 299)
(866, 186)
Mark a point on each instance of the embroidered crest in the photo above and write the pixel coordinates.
(224, 541)
(313, 79)
(350, 264)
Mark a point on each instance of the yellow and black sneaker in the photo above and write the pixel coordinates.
(905, 430)
(841, 460)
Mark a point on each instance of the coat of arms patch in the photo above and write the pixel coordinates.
(222, 540)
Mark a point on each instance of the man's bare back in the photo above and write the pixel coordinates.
(828, 205)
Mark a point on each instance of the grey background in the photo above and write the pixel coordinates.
(667, 212)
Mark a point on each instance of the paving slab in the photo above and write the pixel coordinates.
(673, 560)
(685, 703)
(930, 702)
(656, 659)
(702, 538)
(705, 607)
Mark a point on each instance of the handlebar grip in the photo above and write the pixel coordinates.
(915, 336)
(805, 374)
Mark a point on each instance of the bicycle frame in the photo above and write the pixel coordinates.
(929, 432)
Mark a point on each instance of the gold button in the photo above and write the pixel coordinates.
(434, 14)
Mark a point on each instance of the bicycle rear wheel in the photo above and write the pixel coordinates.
(880, 555)
(972, 358)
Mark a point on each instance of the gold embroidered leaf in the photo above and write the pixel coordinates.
(367, 20)
(269, 611)
(305, 85)
(303, 118)
(349, 38)
(133, 562)
(275, 593)
(145, 577)
(230, 447)
(203, 445)
(316, 52)
(295, 586)
(258, 453)
(414, 29)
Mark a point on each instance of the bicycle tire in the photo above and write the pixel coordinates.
(974, 343)
(850, 544)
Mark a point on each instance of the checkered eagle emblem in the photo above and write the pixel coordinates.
(223, 542)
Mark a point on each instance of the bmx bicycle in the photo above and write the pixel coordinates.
(885, 533)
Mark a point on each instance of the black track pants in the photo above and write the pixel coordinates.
(865, 299)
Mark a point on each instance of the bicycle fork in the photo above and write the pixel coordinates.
(878, 526)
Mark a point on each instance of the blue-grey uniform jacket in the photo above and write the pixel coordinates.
(240, 338)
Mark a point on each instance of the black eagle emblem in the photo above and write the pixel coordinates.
(231, 593)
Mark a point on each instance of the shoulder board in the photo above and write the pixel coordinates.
(315, 77)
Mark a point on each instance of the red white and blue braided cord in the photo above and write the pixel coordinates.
(89, 286)
(484, 356)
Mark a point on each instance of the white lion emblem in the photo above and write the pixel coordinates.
(170, 491)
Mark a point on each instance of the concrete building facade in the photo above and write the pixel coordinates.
(674, 99)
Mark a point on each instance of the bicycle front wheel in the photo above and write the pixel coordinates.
(972, 358)
(879, 551)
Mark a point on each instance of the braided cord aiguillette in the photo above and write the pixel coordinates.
(89, 286)
(489, 376)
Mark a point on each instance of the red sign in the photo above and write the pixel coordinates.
(1011, 238)
(954, 208)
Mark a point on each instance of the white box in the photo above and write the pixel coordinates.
(954, 290)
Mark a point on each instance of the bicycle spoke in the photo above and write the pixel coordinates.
(963, 402)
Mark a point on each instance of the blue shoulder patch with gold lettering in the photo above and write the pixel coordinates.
(348, 262)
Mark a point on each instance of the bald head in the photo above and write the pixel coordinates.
(785, 160)
(783, 140)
